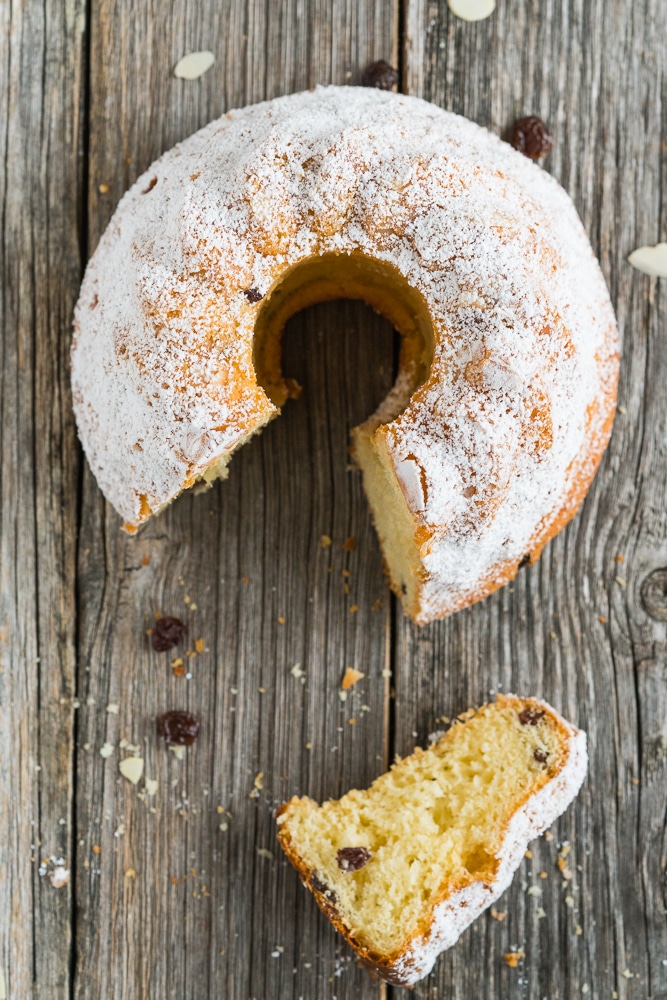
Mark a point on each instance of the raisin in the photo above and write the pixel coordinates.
(530, 716)
(380, 74)
(178, 729)
(351, 859)
(540, 756)
(318, 885)
(167, 633)
(253, 294)
(531, 137)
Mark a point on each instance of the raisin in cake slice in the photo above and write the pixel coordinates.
(402, 868)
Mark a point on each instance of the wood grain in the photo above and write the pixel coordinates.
(41, 61)
(187, 894)
(184, 894)
(572, 628)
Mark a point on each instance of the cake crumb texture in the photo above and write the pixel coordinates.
(436, 839)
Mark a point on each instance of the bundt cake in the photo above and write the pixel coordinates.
(505, 393)
(403, 868)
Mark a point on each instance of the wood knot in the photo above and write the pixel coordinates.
(654, 594)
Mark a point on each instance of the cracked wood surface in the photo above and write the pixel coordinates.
(184, 893)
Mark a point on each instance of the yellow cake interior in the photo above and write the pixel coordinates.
(432, 825)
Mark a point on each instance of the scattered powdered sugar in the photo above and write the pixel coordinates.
(516, 408)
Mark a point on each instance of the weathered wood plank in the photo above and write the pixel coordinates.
(173, 905)
(567, 629)
(41, 60)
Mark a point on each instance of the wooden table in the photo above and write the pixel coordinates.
(184, 894)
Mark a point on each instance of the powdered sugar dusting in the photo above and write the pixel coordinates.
(525, 361)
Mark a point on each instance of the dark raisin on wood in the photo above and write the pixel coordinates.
(525, 560)
(320, 886)
(167, 633)
(540, 756)
(530, 716)
(178, 729)
(253, 294)
(351, 859)
(531, 137)
(380, 74)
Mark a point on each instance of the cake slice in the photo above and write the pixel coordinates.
(402, 868)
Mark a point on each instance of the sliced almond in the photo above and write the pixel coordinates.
(650, 260)
(472, 10)
(194, 65)
(132, 768)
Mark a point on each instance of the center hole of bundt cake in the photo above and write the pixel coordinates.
(345, 276)
(355, 276)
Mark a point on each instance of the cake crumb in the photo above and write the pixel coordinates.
(498, 914)
(350, 678)
(350, 544)
(564, 869)
(264, 852)
(200, 645)
(325, 541)
(512, 958)
(257, 785)
(59, 877)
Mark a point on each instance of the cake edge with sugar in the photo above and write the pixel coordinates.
(453, 914)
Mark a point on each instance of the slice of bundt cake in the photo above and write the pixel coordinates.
(403, 867)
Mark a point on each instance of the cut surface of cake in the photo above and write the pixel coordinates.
(402, 868)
